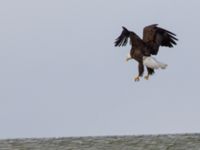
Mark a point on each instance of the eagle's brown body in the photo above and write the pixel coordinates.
(153, 38)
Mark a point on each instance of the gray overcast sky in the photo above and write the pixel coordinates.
(60, 74)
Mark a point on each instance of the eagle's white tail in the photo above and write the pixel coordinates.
(151, 62)
(162, 65)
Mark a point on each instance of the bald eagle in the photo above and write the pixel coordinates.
(143, 49)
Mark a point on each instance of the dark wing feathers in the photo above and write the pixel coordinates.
(165, 38)
(135, 40)
(122, 40)
(155, 37)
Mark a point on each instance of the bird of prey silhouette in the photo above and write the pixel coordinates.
(142, 49)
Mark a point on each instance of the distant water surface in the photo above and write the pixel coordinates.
(149, 142)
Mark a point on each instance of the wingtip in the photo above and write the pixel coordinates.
(154, 25)
(124, 28)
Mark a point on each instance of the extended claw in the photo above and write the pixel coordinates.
(127, 59)
(137, 79)
(147, 77)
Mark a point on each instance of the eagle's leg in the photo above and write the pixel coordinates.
(140, 70)
(150, 72)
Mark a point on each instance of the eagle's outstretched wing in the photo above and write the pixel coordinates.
(155, 37)
(135, 40)
(123, 38)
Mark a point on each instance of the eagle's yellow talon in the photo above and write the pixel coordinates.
(147, 77)
(137, 78)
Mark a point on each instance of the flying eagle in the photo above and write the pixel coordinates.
(142, 49)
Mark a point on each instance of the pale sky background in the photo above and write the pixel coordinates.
(60, 74)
